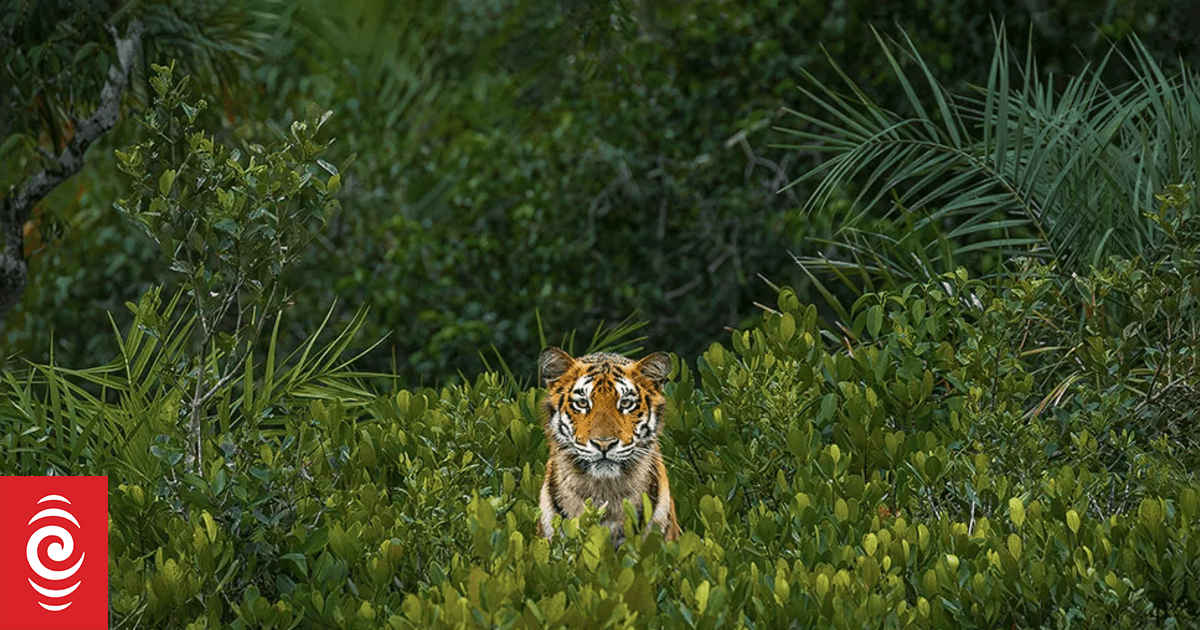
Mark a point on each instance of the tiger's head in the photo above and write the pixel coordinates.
(604, 410)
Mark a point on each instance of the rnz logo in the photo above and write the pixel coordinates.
(60, 550)
(53, 553)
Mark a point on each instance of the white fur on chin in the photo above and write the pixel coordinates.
(605, 470)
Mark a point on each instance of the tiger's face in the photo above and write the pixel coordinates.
(604, 410)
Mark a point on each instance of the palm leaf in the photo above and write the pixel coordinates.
(1021, 168)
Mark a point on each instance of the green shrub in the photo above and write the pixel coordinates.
(962, 455)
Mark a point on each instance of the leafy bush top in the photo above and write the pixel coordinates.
(963, 454)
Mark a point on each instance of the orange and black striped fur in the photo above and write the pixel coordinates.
(603, 416)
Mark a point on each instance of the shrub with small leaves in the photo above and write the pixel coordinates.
(228, 222)
(960, 454)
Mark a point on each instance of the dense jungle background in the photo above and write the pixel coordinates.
(928, 271)
(520, 165)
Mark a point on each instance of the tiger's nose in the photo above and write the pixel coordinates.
(604, 443)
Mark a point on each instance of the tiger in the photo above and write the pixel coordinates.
(603, 414)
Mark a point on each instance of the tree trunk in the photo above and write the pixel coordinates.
(20, 200)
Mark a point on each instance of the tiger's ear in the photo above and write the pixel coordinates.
(553, 363)
(656, 367)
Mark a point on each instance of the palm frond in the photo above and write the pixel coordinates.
(1024, 167)
(53, 416)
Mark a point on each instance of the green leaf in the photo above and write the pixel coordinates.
(918, 311)
(787, 327)
(874, 320)
(702, 591)
(166, 181)
(1150, 512)
(1014, 546)
(828, 408)
(210, 526)
(870, 543)
(1016, 511)
(299, 560)
(84, 51)
(190, 111)
(841, 511)
(1189, 504)
(416, 406)
(228, 226)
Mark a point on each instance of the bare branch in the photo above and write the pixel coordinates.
(20, 201)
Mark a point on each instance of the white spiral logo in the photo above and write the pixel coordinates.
(58, 551)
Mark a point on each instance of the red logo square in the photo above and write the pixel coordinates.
(53, 553)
